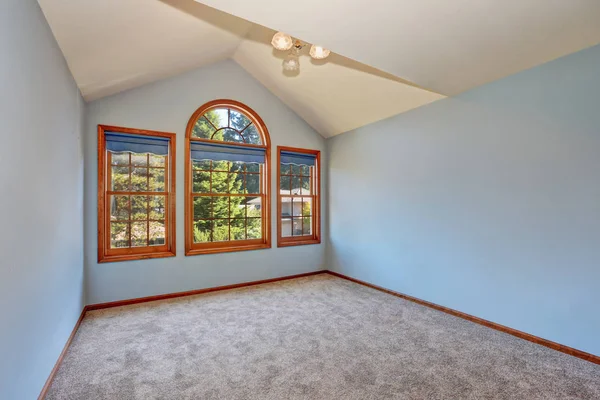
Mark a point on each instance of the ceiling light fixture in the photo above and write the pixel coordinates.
(291, 63)
(318, 52)
(282, 41)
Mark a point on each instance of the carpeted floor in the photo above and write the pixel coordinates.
(311, 338)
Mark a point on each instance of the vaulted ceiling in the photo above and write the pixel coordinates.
(411, 52)
(447, 46)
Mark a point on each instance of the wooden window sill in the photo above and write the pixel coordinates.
(134, 257)
(288, 243)
(229, 249)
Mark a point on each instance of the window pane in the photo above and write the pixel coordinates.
(221, 230)
(157, 180)
(220, 206)
(120, 178)
(139, 179)
(306, 186)
(254, 228)
(202, 231)
(139, 207)
(285, 169)
(139, 160)
(253, 167)
(157, 161)
(219, 182)
(296, 184)
(286, 206)
(157, 233)
(238, 229)
(297, 227)
(307, 207)
(202, 128)
(252, 183)
(238, 120)
(252, 135)
(139, 234)
(120, 158)
(202, 208)
(286, 227)
(284, 185)
(219, 117)
(203, 165)
(220, 166)
(119, 235)
(237, 207)
(119, 208)
(296, 169)
(305, 170)
(157, 207)
(237, 166)
(297, 207)
(307, 226)
(229, 135)
(236, 182)
(201, 182)
(253, 207)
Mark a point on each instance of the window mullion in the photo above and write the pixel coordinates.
(129, 203)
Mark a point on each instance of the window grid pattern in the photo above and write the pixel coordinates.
(297, 198)
(227, 200)
(227, 125)
(137, 199)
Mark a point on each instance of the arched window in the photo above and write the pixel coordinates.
(227, 179)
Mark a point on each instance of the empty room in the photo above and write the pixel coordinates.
(232, 199)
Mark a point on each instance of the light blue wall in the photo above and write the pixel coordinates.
(488, 202)
(41, 177)
(167, 106)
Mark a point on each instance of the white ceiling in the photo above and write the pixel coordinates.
(114, 45)
(334, 96)
(448, 46)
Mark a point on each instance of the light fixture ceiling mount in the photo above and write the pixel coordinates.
(284, 42)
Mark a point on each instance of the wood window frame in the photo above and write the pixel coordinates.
(105, 253)
(316, 201)
(192, 248)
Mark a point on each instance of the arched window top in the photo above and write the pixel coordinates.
(228, 121)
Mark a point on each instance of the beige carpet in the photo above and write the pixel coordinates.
(311, 338)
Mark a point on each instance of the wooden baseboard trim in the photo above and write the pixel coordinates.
(526, 336)
(61, 356)
(120, 303)
(553, 345)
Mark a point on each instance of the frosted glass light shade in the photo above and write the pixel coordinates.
(291, 62)
(282, 41)
(319, 52)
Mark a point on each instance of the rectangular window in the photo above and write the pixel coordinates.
(136, 194)
(228, 205)
(298, 203)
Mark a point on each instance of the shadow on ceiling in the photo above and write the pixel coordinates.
(248, 30)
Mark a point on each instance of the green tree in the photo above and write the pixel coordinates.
(219, 218)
